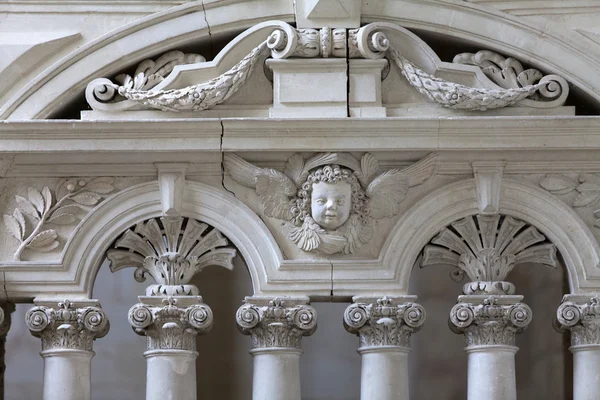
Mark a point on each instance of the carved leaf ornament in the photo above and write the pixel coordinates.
(29, 222)
(171, 251)
(288, 196)
(587, 187)
(486, 248)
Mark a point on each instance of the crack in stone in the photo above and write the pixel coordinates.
(223, 159)
(212, 48)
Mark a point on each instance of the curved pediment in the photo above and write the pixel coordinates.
(156, 34)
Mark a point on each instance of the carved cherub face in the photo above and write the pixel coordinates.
(331, 203)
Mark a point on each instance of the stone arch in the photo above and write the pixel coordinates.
(85, 251)
(43, 96)
(552, 217)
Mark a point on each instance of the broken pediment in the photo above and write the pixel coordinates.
(275, 70)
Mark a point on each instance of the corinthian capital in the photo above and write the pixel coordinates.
(385, 321)
(490, 320)
(67, 325)
(580, 315)
(171, 322)
(276, 322)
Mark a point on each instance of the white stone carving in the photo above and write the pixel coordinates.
(202, 96)
(587, 186)
(329, 13)
(493, 320)
(276, 324)
(488, 182)
(324, 42)
(486, 248)
(331, 198)
(64, 207)
(67, 326)
(171, 251)
(384, 322)
(171, 322)
(171, 178)
(581, 318)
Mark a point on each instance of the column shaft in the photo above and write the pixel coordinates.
(171, 375)
(492, 373)
(276, 374)
(384, 374)
(276, 326)
(384, 327)
(67, 374)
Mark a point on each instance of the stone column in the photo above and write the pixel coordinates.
(5, 310)
(170, 324)
(384, 327)
(490, 325)
(67, 329)
(580, 314)
(276, 326)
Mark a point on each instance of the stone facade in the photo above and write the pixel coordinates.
(328, 145)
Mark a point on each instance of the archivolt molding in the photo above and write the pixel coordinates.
(44, 96)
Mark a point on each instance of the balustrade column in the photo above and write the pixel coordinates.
(384, 327)
(490, 325)
(580, 314)
(5, 320)
(67, 330)
(171, 324)
(276, 327)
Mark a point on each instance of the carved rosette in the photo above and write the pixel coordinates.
(169, 326)
(582, 319)
(67, 326)
(275, 325)
(494, 321)
(384, 322)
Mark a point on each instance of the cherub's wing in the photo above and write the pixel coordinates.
(275, 190)
(273, 187)
(420, 171)
(386, 192)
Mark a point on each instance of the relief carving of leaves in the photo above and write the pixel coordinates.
(87, 198)
(558, 184)
(13, 227)
(35, 197)
(45, 241)
(63, 219)
(61, 187)
(21, 220)
(26, 206)
(586, 199)
(47, 198)
(101, 185)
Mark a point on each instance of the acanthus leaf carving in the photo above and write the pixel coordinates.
(486, 248)
(67, 326)
(384, 322)
(171, 251)
(331, 199)
(63, 208)
(493, 320)
(276, 324)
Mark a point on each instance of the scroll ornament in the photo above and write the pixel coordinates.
(29, 222)
(517, 85)
(331, 198)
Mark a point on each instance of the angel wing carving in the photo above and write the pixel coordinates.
(388, 190)
(274, 188)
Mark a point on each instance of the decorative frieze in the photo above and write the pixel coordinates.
(384, 322)
(67, 325)
(486, 248)
(30, 223)
(171, 322)
(276, 323)
(171, 251)
(493, 320)
(331, 199)
(581, 316)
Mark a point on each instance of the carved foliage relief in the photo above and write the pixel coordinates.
(331, 199)
(586, 187)
(32, 223)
